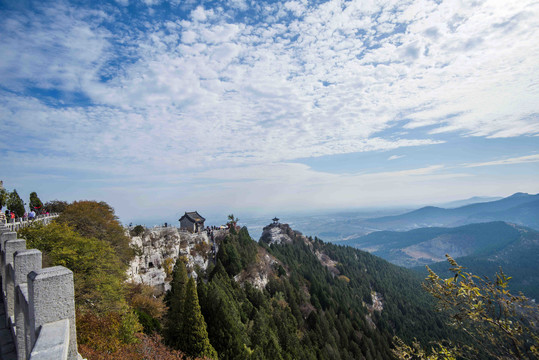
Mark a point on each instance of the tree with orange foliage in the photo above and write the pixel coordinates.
(97, 220)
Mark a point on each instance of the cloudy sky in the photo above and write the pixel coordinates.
(253, 106)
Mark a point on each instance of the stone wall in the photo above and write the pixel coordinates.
(39, 303)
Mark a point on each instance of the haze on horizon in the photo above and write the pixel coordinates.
(159, 107)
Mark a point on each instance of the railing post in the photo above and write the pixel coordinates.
(5, 236)
(24, 262)
(52, 298)
(11, 247)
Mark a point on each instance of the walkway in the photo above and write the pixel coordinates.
(7, 346)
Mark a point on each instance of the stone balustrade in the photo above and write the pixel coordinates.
(39, 302)
(20, 223)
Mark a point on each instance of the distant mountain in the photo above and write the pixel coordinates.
(472, 200)
(481, 247)
(348, 225)
(519, 208)
(429, 245)
(526, 214)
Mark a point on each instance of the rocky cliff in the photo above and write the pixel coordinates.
(157, 249)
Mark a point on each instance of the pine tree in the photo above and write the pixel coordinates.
(4, 196)
(35, 202)
(15, 203)
(223, 320)
(194, 339)
(175, 300)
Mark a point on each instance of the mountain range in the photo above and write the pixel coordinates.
(482, 235)
(519, 208)
(481, 248)
(428, 245)
(343, 226)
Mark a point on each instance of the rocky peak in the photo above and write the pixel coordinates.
(279, 234)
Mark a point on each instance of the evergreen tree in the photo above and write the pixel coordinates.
(220, 309)
(194, 336)
(175, 299)
(15, 203)
(265, 342)
(4, 196)
(35, 202)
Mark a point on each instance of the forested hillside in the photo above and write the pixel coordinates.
(481, 248)
(428, 245)
(322, 301)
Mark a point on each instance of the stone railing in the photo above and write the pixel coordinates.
(20, 223)
(39, 302)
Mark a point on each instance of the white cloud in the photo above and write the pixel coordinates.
(509, 161)
(211, 91)
(295, 7)
(200, 14)
(325, 93)
(395, 157)
(59, 50)
(238, 4)
(151, 2)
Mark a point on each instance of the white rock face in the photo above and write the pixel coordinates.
(275, 234)
(259, 273)
(161, 246)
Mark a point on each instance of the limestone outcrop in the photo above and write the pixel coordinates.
(278, 234)
(157, 249)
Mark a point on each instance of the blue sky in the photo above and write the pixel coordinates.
(159, 107)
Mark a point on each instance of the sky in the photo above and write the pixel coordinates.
(163, 106)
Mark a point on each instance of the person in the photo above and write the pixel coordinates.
(32, 215)
(12, 215)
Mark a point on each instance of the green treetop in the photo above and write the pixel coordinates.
(55, 206)
(175, 300)
(194, 336)
(35, 202)
(232, 220)
(15, 203)
(4, 196)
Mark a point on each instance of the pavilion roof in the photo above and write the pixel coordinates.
(193, 216)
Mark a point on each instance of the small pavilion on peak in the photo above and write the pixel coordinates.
(275, 220)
